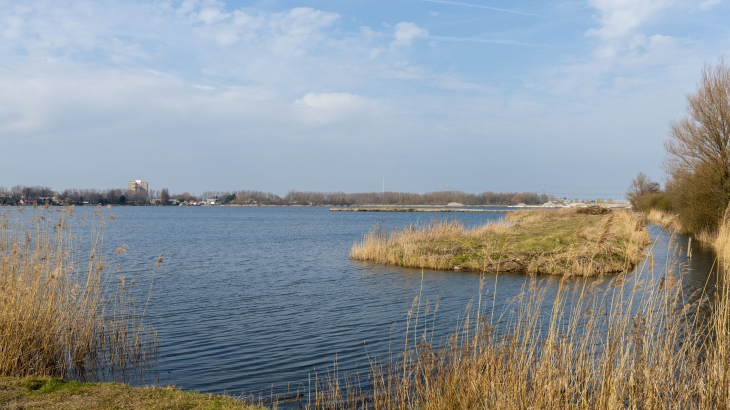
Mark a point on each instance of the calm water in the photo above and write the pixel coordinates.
(254, 299)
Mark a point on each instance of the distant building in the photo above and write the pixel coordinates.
(27, 201)
(138, 186)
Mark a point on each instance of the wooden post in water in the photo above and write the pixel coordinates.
(689, 248)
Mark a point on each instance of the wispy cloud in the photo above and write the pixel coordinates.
(479, 6)
(487, 40)
(621, 22)
(708, 4)
(202, 81)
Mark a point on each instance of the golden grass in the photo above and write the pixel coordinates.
(63, 311)
(671, 221)
(44, 393)
(721, 239)
(664, 219)
(615, 344)
(560, 242)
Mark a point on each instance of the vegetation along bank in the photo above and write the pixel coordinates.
(45, 393)
(562, 242)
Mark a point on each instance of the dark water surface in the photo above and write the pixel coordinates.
(254, 299)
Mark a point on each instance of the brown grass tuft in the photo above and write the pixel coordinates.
(664, 219)
(628, 344)
(539, 241)
(62, 311)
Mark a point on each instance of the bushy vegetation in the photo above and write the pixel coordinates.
(698, 152)
(698, 159)
(45, 195)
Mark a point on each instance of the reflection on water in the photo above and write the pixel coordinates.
(254, 299)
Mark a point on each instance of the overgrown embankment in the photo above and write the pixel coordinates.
(562, 242)
(20, 393)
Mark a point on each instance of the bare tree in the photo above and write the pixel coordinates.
(640, 186)
(698, 148)
(164, 196)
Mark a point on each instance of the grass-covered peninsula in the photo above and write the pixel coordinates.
(47, 393)
(534, 241)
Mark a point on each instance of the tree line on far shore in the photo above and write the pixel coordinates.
(42, 194)
(45, 195)
(697, 163)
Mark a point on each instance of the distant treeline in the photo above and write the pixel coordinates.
(401, 198)
(43, 194)
(375, 198)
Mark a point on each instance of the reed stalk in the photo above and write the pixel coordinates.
(631, 342)
(64, 311)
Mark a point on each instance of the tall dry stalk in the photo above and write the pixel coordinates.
(628, 343)
(664, 219)
(63, 312)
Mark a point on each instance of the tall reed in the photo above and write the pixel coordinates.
(665, 219)
(631, 342)
(64, 312)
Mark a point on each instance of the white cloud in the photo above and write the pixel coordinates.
(287, 32)
(406, 32)
(320, 108)
(433, 13)
(210, 16)
(619, 19)
(330, 100)
(708, 4)
(198, 80)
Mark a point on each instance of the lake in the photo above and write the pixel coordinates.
(255, 299)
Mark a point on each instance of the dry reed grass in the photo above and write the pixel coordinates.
(539, 241)
(621, 344)
(720, 239)
(539, 215)
(664, 219)
(709, 236)
(63, 311)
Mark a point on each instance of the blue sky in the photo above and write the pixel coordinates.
(335, 95)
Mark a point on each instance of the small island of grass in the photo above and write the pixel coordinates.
(561, 242)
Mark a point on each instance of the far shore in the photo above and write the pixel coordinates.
(409, 209)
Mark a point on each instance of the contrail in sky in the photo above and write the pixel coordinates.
(485, 40)
(479, 6)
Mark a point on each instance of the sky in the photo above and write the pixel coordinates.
(341, 95)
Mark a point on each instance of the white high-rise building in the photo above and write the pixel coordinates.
(137, 186)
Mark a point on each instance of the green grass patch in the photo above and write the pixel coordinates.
(554, 242)
(54, 393)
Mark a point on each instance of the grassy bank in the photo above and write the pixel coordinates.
(534, 241)
(35, 393)
(718, 238)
